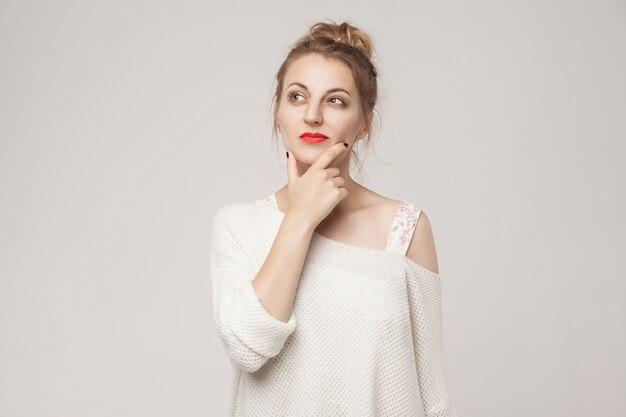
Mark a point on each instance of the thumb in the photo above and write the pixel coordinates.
(292, 168)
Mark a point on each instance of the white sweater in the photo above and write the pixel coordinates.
(364, 337)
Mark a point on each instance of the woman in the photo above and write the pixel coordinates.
(326, 295)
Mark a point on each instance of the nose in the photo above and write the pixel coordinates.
(313, 114)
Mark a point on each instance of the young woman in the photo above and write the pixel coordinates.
(326, 295)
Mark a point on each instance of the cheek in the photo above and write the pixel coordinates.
(287, 118)
(351, 123)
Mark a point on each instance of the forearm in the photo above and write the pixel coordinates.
(277, 280)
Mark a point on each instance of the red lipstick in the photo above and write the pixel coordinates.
(313, 137)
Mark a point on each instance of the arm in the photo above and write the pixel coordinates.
(426, 323)
(277, 280)
(251, 332)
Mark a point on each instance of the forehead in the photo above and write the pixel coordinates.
(318, 72)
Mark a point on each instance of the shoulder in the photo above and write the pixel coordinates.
(421, 248)
(228, 212)
(233, 216)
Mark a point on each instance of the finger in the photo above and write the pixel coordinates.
(331, 153)
(333, 172)
(338, 181)
(292, 169)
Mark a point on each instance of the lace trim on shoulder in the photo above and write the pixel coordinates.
(403, 227)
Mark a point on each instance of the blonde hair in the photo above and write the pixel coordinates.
(348, 44)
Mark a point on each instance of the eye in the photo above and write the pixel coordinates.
(292, 96)
(341, 102)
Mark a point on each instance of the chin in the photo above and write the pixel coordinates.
(307, 158)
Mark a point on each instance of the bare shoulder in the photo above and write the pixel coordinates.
(422, 249)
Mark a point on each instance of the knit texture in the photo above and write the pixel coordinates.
(364, 337)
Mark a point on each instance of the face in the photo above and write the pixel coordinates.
(319, 96)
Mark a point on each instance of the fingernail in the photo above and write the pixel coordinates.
(287, 155)
(345, 144)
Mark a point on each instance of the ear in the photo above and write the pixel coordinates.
(362, 133)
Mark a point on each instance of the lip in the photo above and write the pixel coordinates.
(313, 137)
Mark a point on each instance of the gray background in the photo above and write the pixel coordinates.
(124, 125)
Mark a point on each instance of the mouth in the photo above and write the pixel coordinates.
(313, 137)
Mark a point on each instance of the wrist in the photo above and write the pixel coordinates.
(298, 224)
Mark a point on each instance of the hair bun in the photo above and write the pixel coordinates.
(345, 33)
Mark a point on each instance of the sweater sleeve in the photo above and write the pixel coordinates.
(427, 330)
(248, 332)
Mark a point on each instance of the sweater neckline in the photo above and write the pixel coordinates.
(366, 249)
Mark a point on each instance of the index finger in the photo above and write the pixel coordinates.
(328, 156)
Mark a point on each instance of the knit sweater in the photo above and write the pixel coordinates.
(365, 334)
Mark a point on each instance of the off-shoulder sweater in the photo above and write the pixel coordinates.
(365, 334)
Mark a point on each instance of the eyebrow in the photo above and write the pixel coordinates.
(332, 90)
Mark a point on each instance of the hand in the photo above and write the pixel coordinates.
(313, 195)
